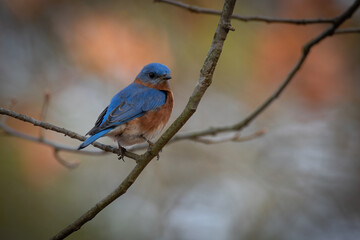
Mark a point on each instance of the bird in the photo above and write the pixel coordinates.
(139, 112)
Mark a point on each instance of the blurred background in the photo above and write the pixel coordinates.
(299, 181)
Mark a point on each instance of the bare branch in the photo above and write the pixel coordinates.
(44, 111)
(64, 131)
(347, 30)
(11, 105)
(196, 9)
(305, 51)
(234, 138)
(12, 132)
(205, 80)
(212, 131)
(69, 165)
(337, 21)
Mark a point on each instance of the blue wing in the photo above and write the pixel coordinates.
(132, 102)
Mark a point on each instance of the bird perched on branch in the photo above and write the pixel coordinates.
(137, 113)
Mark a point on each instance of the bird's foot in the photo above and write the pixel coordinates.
(122, 153)
(151, 144)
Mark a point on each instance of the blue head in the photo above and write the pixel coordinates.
(154, 73)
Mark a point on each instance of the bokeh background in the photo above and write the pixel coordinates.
(299, 181)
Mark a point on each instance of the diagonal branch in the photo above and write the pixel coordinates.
(196, 9)
(306, 50)
(205, 80)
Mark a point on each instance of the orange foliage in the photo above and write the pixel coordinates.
(38, 164)
(279, 48)
(109, 46)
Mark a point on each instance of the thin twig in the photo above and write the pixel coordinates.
(41, 139)
(197, 136)
(306, 49)
(44, 112)
(196, 9)
(12, 132)
(11, 106)
(69, 165)
(347, 30)
(66, 132)
(234, 138)
(205, 80)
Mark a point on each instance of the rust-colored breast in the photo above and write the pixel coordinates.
(155, 120)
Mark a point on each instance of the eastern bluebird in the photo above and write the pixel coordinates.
(137, 113)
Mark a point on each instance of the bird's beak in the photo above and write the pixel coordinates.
(166, 77)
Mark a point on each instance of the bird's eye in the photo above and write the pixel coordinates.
(151, 75)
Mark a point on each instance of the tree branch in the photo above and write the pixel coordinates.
(54, 128)
(196, 9)
(205, 80)
(234, 138)
(12, 132)
(44, 112)
(197, 136)
(347, 30)
(70, 165)
(306, 50)
(337, 21)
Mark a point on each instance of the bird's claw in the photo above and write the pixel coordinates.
(150, 146)
(122, 153)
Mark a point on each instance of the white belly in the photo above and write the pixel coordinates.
(130, 134)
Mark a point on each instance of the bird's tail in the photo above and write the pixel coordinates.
(93, 138)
